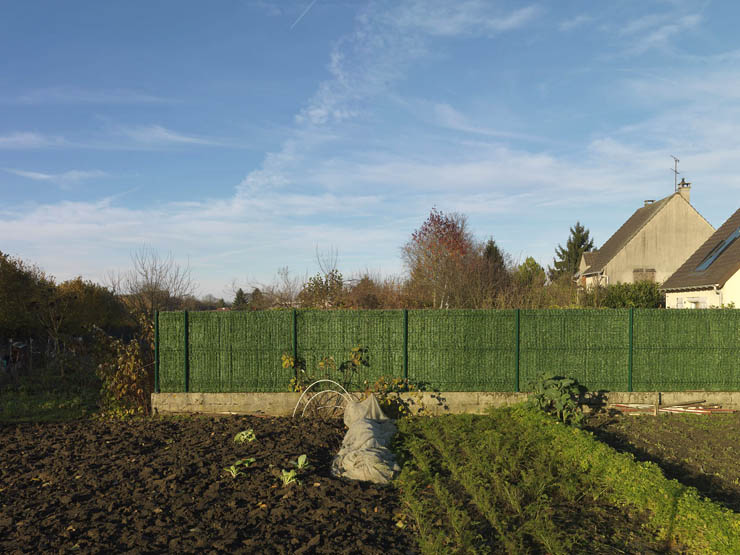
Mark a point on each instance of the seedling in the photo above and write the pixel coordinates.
(288, 477)
(246, 435)
(234, 470)
(302, 462)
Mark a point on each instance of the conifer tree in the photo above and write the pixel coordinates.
(240, 300)
(567, 259)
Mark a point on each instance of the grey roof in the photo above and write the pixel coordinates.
(719, 271)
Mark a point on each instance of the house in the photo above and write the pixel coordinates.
(650, 245)
(711, 276)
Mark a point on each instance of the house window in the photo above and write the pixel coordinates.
(643, 274)
(716, 251)
(679, 302)
(697, 302)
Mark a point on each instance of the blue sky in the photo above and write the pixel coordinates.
(243, 135)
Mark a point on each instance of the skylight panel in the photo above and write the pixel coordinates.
(716, 251)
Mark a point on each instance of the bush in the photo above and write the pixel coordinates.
(126, 370)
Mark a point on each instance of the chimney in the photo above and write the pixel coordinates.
(648, 202)
(684, 189)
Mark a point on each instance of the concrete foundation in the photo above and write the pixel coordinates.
(282, 404)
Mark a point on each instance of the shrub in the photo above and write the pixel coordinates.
(557, 396)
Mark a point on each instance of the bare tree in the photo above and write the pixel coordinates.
(282, 292)
(154, 283)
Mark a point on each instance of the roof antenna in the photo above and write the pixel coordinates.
(675, 173)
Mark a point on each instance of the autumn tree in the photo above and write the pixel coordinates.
(323, 291)
(435, 257)
(568, 257)
(20, 284)
(93, 304)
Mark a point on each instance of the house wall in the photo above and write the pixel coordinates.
(702, 298)
(731, 290)
(663, 244)
(706, 298)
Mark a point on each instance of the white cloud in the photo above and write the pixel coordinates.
(75, 95)
(64, 179)
(447, 116)
(656, 31)
(29, 140)
(467, 17)
(157, 135)
(575, 22)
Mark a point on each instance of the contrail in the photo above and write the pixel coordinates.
(304, 13)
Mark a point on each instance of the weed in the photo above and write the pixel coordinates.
(302, 462)
(246, 435)
(236, 469)
(288, 477)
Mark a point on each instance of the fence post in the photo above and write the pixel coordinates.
(156, 352)
(629, 360)
(295, 341)
(406, 345)
(186, 353)
(516, 386)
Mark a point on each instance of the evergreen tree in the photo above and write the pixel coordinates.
(240, 300)
(529, 273)
(259, 300)
(567, 259)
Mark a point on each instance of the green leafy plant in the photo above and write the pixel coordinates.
(236, 469)
(288, 477)
(558, 396)
(302, 462)
(245, 435)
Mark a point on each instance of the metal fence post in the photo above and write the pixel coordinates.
(295, 336)
(156, 352)
(186, 353)
(516, 357)
(406, 345)
(631, 345)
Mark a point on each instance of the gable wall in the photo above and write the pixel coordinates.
(731, 290)
(663, 244)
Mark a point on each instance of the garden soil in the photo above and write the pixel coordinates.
(159, 485)
(701, 451)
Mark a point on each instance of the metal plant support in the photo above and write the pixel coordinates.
(333, 401)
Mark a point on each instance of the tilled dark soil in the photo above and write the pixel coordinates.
(159, 485)
(697, 450)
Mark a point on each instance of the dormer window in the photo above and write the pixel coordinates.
(716, 251)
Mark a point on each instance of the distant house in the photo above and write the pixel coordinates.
(711, 276)
(650, 245)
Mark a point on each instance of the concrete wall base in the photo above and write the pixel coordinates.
(282, 404)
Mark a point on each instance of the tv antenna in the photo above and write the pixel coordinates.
(675, 173)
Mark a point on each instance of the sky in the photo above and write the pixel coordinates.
(244, 136)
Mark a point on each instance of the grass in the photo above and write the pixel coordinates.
(517, 481)
(47, 398)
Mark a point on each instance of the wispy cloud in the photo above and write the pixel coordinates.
(368, 61)
(74, 95)
(575, 22)
(468, 17)
(63, 179)
(29, 140)
(158, 135)
(656, 31)
(447, 116)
